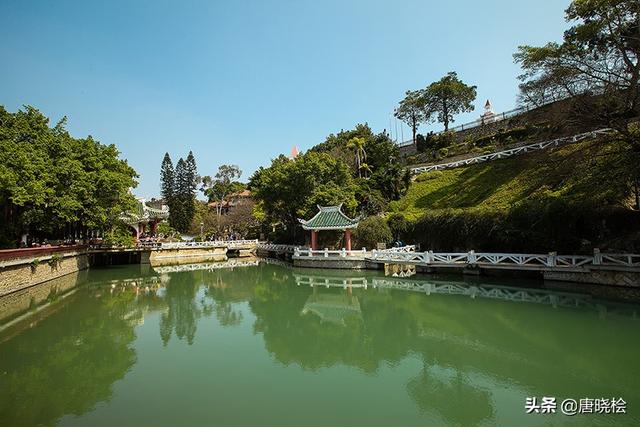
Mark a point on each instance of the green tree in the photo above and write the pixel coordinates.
(447, 97)
(224, 183)
(411, 110)
(291, 189)
(53, 185)
(191, 187)
(597, 66)
(167, 184)
(599, 55)
(371, 231)
(357, 145)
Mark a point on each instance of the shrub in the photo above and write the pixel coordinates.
(34, 264)
(119, 235)
(55, 260)
(443, 152)
(371, 231)
(398, 225)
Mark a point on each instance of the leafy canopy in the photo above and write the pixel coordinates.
(447, 97)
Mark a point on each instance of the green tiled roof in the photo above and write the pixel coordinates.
(329, 218)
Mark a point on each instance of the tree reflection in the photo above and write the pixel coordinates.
(77, 360)
(453, 398)
(183, 311)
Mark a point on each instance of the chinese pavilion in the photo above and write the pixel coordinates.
(330, 218)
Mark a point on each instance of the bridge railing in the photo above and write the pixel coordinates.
(272, 247)
(550, 260)
(407, 248)
(208, 244)
(326, 253)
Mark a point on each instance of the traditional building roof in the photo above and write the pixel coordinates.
(329, 218)
(144, 213)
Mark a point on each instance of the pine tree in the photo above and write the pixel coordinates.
(180, 189)
(191, 187)
(167, 183)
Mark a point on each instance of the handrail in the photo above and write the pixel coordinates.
(207, 244)
(550, 260)
(326, 253)
(496, 155)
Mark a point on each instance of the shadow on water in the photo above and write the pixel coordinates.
(466, 352)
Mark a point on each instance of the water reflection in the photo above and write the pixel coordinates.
(464, 352)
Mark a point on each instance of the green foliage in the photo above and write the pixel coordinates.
(598, 56)
(183, 197)
(411, 110)
(167, 185)
(447, 97)
(506, 136)
(371, 231)
(291, 189)
(524, 203)
(165, 229)
(55, 261)
(398, 225)
(49, 179)
(119, 235)
(34, 264)
(224, 183)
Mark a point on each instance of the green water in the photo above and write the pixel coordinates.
(257, 345)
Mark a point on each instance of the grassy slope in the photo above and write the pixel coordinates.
(582, 172)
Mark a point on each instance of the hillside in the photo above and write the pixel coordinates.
(577, 192)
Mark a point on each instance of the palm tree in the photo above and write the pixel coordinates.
(357, 144)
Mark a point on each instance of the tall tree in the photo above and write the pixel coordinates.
(219, 187)
(179, 191)
(167, 185)
(191, 187)
(52, 184)
(599, 55)
(357, 145)
(411, 111)
(447, 97)
(288, 190)
(597, 66)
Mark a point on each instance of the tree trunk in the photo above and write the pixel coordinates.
(414, 128)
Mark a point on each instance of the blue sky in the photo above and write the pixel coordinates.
(241, 82)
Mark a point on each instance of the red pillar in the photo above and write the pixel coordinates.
(154, 227)
(347, 239)
(314, 240)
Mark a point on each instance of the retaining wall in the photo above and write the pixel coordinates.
(24, 272)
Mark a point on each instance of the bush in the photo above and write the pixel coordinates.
(371, 231)
(55, 261)
(442, 153)
(119, 235)
(398, 225)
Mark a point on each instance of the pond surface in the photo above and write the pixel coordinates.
(264, 344)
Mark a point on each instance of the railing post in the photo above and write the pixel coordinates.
(597, 256)
(296, 252)
(326, 252)
(310, 252)
(343, 253)
(551, 259)
(471, 257)
(374, 254)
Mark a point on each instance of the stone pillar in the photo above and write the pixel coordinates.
(347, 239)
(314, 240)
